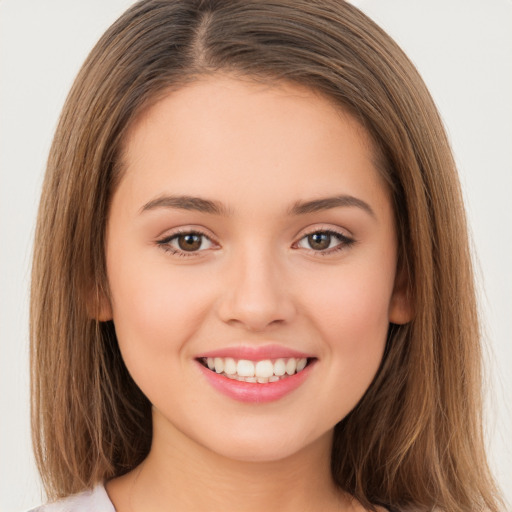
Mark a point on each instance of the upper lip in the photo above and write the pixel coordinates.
(256, 352)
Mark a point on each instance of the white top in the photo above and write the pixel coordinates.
(96, 500)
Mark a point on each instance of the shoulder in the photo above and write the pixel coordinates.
(95, 500)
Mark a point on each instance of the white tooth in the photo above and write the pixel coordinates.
(249, 379)
(280, 367)
(274, 378)
(245, 368)
(262, 380)
(291, 366)
(231, 376)
(210, 362)
(219, 364)
(230, 366)
(264, 369)
(301, 364)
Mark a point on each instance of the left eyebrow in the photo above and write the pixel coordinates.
(326, 203)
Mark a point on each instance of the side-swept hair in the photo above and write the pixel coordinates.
(415, 438)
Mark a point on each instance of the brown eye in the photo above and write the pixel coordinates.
(189, 242)
(325, 242)
(319, 241)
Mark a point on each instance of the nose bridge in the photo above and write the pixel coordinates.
(256, 294)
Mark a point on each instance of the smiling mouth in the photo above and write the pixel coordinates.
(262, 372)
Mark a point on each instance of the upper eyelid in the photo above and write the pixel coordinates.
(183, 231)
(325, 228)
(329, 231)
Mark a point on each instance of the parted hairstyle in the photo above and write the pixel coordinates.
(415, 439)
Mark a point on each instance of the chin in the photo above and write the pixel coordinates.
(262, 447)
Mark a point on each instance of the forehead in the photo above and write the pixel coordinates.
(208, 95)
(240, 135)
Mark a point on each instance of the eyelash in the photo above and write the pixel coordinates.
(345, 242)
(164, 242)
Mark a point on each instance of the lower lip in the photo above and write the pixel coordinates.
(254, 392)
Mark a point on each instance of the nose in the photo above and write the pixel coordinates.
(256, 294)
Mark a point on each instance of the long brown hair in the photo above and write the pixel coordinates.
(415, 439)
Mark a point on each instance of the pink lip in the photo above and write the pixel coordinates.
(256, 353)
(254, 392)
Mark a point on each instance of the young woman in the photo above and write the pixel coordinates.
(252, 288)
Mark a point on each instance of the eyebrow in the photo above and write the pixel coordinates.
(199, 204)
(317, 205)
(192, 203)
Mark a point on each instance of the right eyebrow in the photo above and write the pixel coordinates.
(187, 203)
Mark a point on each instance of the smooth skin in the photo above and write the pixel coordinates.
(255, 274)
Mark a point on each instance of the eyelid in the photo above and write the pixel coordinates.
(183, 230)
(164, 241)
(345, 240)
(325, 228)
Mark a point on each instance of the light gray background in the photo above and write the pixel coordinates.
(463, 48)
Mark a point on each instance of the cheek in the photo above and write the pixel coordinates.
(350, 310)
(154, 309)
(354, 325)
(155, 313)
(356, 301)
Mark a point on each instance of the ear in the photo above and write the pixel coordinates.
(104, 311)
(401, 309)
(99, 306)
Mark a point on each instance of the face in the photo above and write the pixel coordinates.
(251, 234)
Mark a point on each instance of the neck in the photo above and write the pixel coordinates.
(180, 474)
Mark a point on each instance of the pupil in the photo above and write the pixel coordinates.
(189, 242)
(319, 240)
